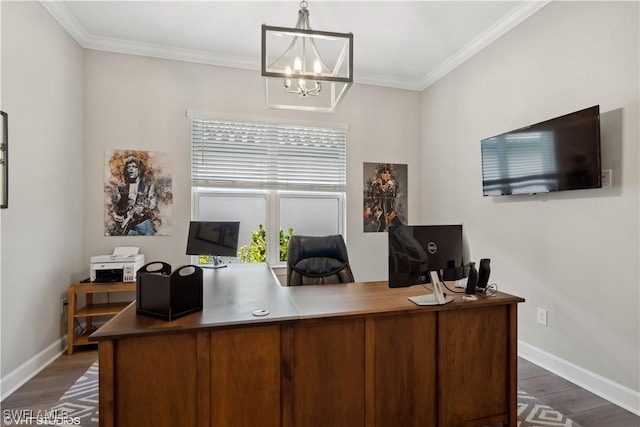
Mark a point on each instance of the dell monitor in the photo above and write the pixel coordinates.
(214, 238)
(426, 253)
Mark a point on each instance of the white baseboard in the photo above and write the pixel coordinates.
(29, 369)
(615, 393)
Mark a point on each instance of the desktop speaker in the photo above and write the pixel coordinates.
(472, 280)
(483, 273)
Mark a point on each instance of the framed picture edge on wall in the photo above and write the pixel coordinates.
(4, 160)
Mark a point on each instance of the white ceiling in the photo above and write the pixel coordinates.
(401, 44)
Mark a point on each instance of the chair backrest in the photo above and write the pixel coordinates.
(314, 260)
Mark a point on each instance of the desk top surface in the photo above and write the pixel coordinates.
(232, 294)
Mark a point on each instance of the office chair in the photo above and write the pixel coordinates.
(316, 260)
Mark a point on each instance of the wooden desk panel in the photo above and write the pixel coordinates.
(245, 376)
(473, 366)
(358, 354)
(327, 374)
(401, 360)
(156, 380)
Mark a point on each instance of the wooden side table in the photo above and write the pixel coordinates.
(90, 310)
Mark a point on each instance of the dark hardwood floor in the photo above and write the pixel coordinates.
(43, 391)
(583, 407)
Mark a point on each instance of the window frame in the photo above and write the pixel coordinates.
(272, 211)
(272, 195)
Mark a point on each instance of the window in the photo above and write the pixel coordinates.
(279, 176)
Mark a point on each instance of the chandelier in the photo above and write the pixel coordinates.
(294, 73)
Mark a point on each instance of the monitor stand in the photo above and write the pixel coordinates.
(437, 297)
(217, 263)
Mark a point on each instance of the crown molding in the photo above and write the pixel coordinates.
(177, 54)
(386, 81)
(507, 23)
(65, 18)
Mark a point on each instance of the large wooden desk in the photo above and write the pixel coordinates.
(349, 355)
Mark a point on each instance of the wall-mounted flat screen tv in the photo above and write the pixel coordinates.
(555, 155)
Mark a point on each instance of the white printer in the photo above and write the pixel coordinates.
(121, 266)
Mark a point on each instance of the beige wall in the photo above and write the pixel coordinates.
(136, 102)
(42, 234)
(573, 253)
(68, 105)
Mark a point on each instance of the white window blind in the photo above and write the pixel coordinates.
(243, 154)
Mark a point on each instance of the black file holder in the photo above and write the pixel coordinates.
(168, 296)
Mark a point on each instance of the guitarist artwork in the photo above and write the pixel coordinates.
(134, 199)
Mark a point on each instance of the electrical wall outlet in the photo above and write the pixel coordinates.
(64, 303)
(606, 178)
(542, 316)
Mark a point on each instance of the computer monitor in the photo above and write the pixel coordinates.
(421, 254)
(214, 238)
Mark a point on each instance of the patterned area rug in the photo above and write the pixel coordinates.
(80, 402)
(533, 413)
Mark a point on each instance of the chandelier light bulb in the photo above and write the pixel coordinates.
(317, 68)
(287, 72)
(297, 65)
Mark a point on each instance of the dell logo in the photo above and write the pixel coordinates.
(432, 247)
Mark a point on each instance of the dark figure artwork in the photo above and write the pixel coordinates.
(384, 196)
(138, 197)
